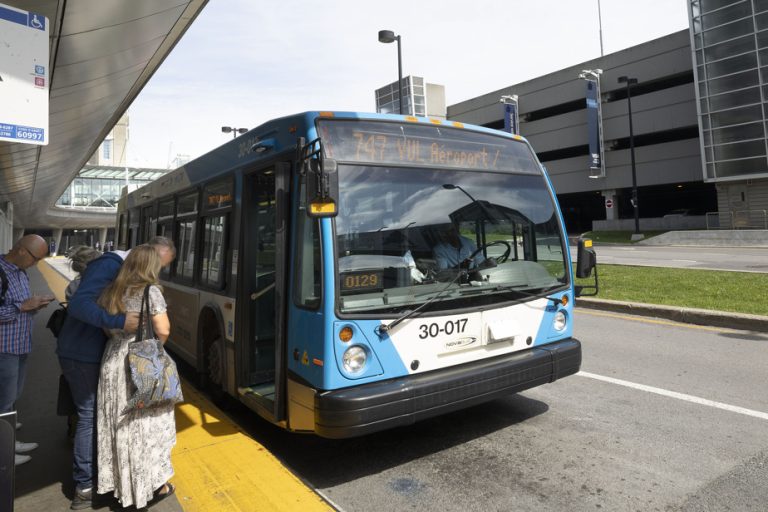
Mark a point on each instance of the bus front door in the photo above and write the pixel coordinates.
(263, 244)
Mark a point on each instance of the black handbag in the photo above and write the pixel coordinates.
(57, 318)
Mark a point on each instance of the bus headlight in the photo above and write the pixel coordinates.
(354, 359)
(560, 321)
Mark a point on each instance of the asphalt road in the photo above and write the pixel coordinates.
(695, 438)
(744, 259)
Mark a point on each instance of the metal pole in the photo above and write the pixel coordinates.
(600, 22)
(632, 158)
(399, 75)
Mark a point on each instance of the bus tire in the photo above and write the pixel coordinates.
(214, 371)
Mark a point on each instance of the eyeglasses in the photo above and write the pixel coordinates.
(33, 256)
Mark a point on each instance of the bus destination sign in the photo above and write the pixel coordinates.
(381, 142)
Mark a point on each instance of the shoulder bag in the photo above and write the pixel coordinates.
(57, 318)
(152, 371)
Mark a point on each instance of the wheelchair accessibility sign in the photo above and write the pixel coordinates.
(24, 76)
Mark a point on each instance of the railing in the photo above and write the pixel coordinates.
(738, 219)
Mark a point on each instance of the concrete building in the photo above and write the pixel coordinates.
(553, 117)
(114, 149)
(419, 98)
(699, 141)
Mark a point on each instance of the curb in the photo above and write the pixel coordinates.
(695, 316)
(67, 274)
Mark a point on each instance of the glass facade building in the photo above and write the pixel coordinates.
(414, 97)
(729, 40)
(101, 186)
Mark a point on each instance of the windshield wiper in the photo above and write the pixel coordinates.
(513, 289)
(381, 330)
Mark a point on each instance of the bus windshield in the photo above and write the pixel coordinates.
(458, 238)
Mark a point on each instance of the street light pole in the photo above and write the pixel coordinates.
(235, 131)
(630, 82)
(451, 186)
(387, 36)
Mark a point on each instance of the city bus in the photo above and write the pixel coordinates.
(311, 281)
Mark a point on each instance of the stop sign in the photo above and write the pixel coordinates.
(609, 203)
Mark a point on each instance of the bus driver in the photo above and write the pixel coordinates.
(453, 249)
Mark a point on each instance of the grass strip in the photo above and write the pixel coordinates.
(737, 292)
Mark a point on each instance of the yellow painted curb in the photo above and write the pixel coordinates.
(219, 468)
(56, 282)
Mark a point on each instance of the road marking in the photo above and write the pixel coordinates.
(686, 261)
(679, 396)
(645, 320)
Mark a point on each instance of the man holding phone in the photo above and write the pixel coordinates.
(17, 305)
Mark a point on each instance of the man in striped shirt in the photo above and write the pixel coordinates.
(17, 306)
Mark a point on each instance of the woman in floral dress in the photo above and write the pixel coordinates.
(134, 449)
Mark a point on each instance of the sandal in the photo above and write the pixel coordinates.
(160, 496)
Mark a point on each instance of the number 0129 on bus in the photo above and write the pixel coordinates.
(344, 273)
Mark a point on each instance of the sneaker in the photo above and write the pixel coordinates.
(21, 459)
(83, 499)
(25, 447)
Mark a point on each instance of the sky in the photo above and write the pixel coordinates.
(244, 62)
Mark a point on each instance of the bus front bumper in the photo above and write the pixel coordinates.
(391, 403)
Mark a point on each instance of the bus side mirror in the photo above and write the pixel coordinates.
(322, 187)
(586, 261)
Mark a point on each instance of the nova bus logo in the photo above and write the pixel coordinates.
(460, 343)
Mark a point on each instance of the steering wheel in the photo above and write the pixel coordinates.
(501, 259)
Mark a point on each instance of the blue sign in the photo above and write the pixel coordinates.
(593, 126)
(29, 133)
(510, 118)
(23, 18)
(36, 21)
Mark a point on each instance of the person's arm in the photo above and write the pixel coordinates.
(469, 244)
(442, 256)
(9, 311)
(158, 309)
(82, 306)
(162, 326)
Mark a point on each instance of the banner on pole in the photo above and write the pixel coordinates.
(511, 118)
(593, 127)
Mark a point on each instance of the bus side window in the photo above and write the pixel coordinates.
(186, 233)
(185, 247)
(212, 267)
(307, 283)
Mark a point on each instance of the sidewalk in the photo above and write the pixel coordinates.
(218, 467)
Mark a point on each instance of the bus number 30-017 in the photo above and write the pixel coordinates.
(450, 327)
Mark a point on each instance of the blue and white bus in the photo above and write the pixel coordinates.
(312, 282)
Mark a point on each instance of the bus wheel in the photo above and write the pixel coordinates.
(214, 370)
